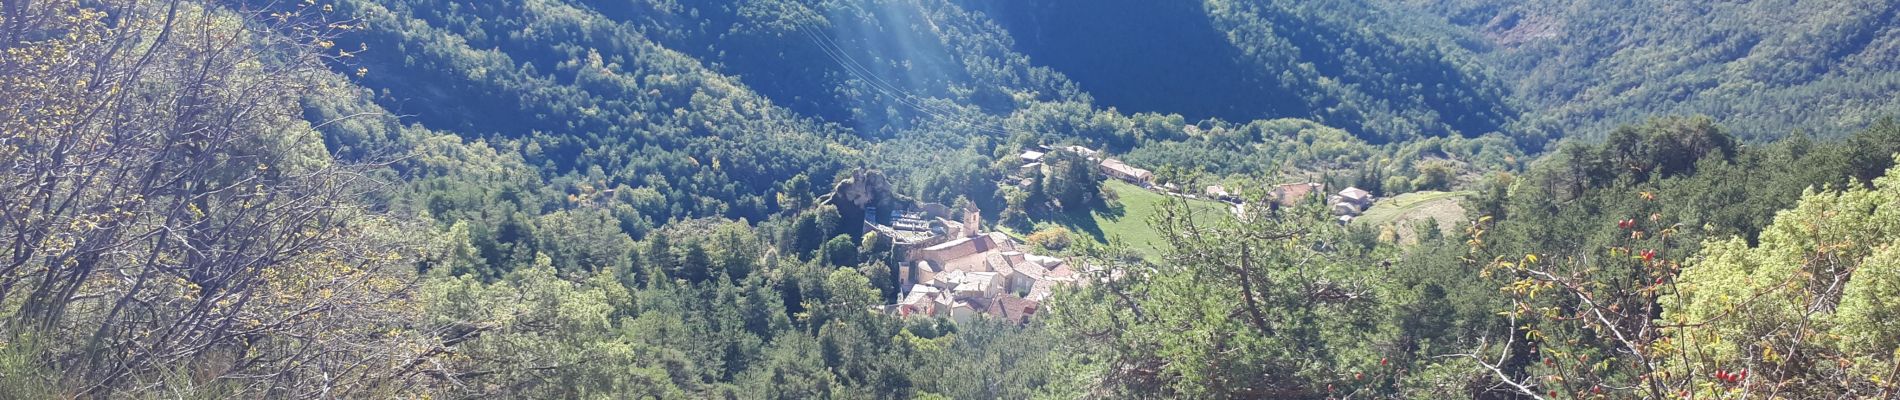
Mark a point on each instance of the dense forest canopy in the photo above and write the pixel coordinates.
(758, 199)
(1242, 60)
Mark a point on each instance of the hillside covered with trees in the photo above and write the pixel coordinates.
(689, 199)
(1767, 67)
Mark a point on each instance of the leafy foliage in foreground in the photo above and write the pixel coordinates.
(1606, 271)
(172, 221)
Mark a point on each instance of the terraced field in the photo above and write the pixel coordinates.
(1404, 213)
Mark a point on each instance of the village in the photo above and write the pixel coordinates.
(953, 269)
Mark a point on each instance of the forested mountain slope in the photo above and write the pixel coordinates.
(1767, 67)
(579, 94)
(882, 67)
(905, 69)
(700, 108)
(1345, 63)
(878, 66)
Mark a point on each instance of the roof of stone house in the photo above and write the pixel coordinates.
(995, 261)
(1123, 168)
(1046, 261)
(1014, 257)
(955, 248)
(1001, 241)
(922, 299)
(1030, 269)
(970, 263)
(1062, 271)
(973, 254)
(971, 304)
(947, 280)
(976, 282)
(918, 298)
(1012, 308)
(1355, 193)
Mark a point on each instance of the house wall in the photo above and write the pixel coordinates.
(1019, 283)
(962, 315)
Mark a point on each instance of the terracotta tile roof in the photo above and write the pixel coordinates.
(952, 252)
(1013, 309)
(1030, 269)
(1014, 257)
(996, 262)
(954, 249)
(918, 298)
(1000, 241)
(923, 300)
(969, 263)
(1061, 271)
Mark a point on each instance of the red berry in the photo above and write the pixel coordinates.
(1382, 362)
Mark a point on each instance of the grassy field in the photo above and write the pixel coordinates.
(1129, 223)
(1406, 210)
